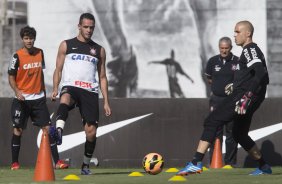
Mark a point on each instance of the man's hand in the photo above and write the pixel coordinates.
(54, 95)
(228, 89)
(107, 109)
(19, 95)
(243, 104)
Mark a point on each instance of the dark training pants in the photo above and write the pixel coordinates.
(230, 157)
(225, 113)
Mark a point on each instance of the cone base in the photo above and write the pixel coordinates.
(217, 156)
(135, 174)
(44, 170)
(177, 178)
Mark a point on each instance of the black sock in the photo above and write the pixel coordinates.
(198, 157)
(62, 112)
(89, 148)
(54, 150)
(15, 146)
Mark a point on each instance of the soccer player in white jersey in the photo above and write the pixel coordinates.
(77, 62)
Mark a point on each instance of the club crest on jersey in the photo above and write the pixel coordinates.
(93, 51)
(217, 68)
(233, 67)
(237, 67)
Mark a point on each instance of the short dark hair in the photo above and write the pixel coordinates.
(86, 16)
(28, 31)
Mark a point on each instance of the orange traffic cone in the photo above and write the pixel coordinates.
(44, 166)
(217, 155)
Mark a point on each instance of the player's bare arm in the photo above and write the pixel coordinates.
(13, 84)
(43, 82)
(59, 68)
(104, 82)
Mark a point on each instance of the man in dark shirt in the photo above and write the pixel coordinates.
(250, 83)
(220, 71)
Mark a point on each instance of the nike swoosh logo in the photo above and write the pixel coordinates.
(73, 140)
(258, 134)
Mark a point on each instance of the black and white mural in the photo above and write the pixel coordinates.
(155, 48)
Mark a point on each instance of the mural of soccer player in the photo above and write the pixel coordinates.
(123, 70)
(172, 68)
(151, 27)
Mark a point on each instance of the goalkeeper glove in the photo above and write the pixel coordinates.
(228, 89)
(243, 104)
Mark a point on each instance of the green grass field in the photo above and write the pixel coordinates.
(120, 176)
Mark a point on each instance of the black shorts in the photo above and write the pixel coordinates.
(35, 109)
(88, 103)
(215, 101)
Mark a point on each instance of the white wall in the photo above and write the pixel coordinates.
(56, 20)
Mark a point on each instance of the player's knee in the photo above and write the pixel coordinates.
(208, 133)
(90, 134)
(65, 98)
(17, 131)
(210, 129)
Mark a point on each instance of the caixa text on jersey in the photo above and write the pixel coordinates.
(82, 57)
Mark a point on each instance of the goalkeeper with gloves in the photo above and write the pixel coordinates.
(249, 89)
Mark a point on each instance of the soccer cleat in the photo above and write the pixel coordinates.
(15, 166)
(266, 169)
(56, 134)
(61, 165)
(191, 169)
(53, 132)
(85, 169)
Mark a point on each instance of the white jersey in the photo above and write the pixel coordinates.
(80, 67)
